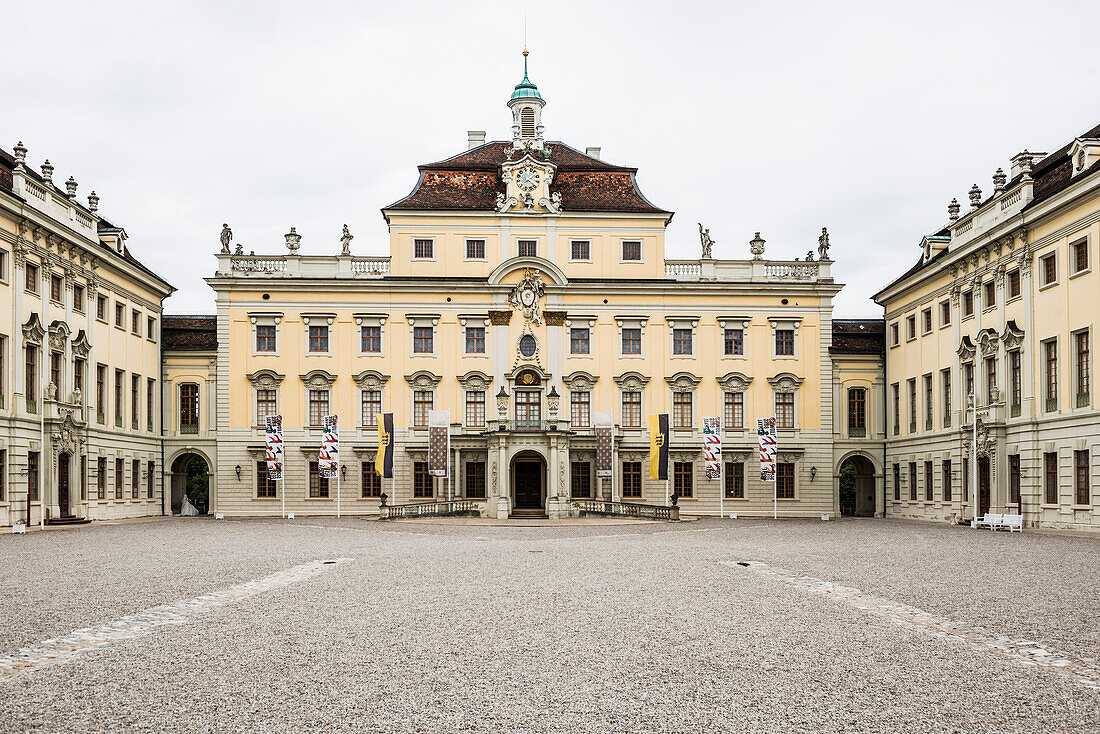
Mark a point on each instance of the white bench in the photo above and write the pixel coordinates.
(990, 520)
(1013, 523)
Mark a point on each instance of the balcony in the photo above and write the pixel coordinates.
(947, 421)
(1083, 400)
(857, 432)
(189, 429)
(32, 406)
(528, 425)
(1016, 410)
(1051, 405)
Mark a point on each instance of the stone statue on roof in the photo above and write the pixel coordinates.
(823, 245)
(226, 237)
(345, 241)
(706, 241)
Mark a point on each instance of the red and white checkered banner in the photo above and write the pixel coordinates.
(604, 423)
(712, 447)
(439, 442)
(274, 438)
(328, 462)
(765, 431)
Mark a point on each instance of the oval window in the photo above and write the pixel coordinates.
(527, 345)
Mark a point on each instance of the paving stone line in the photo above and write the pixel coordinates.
(1024, 652)
(62, 649)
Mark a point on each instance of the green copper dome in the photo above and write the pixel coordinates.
(526, 89)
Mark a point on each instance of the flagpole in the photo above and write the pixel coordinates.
(282, 493)
(721, 486)
(338, 493)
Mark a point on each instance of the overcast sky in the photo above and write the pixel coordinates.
(746, 116)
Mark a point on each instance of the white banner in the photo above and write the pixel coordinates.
(712, 447)
(439, 442)
(328, 462)
(604, 424)
(765, 431)
(274, 447)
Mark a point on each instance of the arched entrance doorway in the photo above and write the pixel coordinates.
(191, 477)
(857, 487)
(63, 503)
(528, 484)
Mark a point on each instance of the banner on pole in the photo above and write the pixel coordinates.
(712, 447)
(765, 431)
(439, 442)
(274, 447)
(658, 446)
(383, 459)
(328, 462)
(604, 425)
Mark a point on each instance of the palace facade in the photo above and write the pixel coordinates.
(526, 290)
(994, 324)
(80, 360)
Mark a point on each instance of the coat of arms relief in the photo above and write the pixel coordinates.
(527, 294)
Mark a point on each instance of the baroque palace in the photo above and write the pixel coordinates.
(527, 292)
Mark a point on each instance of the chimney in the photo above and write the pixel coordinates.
(592, 151)
(474, 138)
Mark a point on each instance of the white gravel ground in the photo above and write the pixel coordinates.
(638, 628)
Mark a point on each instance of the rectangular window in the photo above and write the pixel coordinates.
(683, 478)
(968, 303)
(580, 250)
(135, 475)
(990, 379)
(3, 266)
(928, 402)
(1050, 362)
(135, 322)
(423, 338)
(150, 480)
(370, 403)
(947, 491)
(475, 249)
(1081, 476)
(784, 480)
(527, 248)
(318, 485)
(318, 339)
(83, 478)
(423, 401)
(189, 408)
(945, 377)
(681, 341)
(150, 403)
(912, 385)
(30, 277)
(30, 373)
(896, 389)
(580, 404)
(1014, 284)
(1014, 384)
(631, 416)
(120, 376)
(372, 483)
(632, 251)
(475, 408)
(422, 481)
(897, 482)
(120, 471)
(733, 410)
(32, 476)
(966, 480)
(632, 341)
(318, 407)
(580, 479)
(423, 250)
(101, 478)
(78, 297)
(101, 308)
(926, 320)
(151, 328)
(120, 316)
(928, 489)
(784, 410)
(370, 338)
(265, 338)
(266, 405)
(135, 401)
(265, 485)
(968, 376)
(475, 340)
(1081, 341)
(1049, 267)
(894, 334)
(1050, 478)
(735, 479)
(475, 479)
(3, 473)
(784, 342)
(528, 407)
(945, 313)
(1080, 256)
(990, 296)
(1014, 479)
(55, 370)
(681, 411)
(857, 412)
(913, 481)
(910, 327)
(632, 479)
(55, 288)
(578, 341)
(733, 342)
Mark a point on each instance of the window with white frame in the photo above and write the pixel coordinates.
(370, 404)
(785, 390)
(578, 340)
(423, 249)
(475, 340)
(580, 251)
(318, 406)
(475, 249)
(631, 335)
(475, 408)
(527, 248)
(318, 332)
(631, 412)
(785, 337)
(423, 402)
(683, 386)
(632, 251)
(733, 330)
(422, 334)
(681, 336)
(265, 332)
(580, 408)
(371, 333)
(733, 409)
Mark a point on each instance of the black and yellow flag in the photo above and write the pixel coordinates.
(383, 460)
(658, 446)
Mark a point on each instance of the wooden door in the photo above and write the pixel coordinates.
(983, 485)
(63, 484)
(528, 484)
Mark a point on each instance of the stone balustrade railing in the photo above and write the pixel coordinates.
(748, 270)
(292, 266)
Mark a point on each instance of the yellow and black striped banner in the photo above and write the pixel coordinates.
(383, 460)
(658, 446)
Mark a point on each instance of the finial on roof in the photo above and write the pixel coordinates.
(975, 196)
(953, 210)
(93, 202)
(47, 171)
(999, 181)
(20, 155)
(70, 187)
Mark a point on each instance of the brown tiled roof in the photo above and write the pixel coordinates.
(189, 333)
(471, 180)
(859, 336)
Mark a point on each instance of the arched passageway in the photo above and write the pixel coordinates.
(857, 487)
(191, 477)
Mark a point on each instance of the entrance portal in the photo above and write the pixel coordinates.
(528, 470)
(63, 484)
(983, 485)
(190, 476)
(857, 487)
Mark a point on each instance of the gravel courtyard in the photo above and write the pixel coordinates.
(856, 625)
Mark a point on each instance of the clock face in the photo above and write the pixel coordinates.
(527, 178)
(527, 296)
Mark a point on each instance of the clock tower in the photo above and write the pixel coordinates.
(526, 104)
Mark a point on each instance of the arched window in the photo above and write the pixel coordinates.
(857, 412)
(527, 122)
